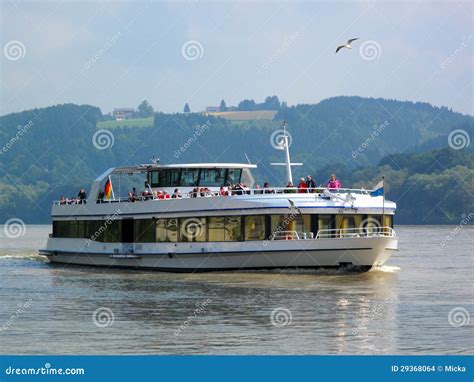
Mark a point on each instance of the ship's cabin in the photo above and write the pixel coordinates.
(188, 176)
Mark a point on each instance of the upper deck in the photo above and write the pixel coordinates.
(256, 200)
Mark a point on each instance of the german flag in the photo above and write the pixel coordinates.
(108, 191)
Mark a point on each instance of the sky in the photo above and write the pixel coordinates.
(117, 53)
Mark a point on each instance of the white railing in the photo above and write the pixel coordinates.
(355, 232)
(291, 235)
(282, 191)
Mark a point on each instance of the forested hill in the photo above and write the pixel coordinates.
(50, 152)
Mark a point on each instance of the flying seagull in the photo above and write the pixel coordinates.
(347, 45)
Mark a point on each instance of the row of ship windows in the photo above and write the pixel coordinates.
(213, 229)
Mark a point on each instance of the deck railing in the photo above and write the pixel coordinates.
(291, 235)
(322, 192)
(356, 232)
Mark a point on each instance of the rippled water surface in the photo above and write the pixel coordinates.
(421, 302)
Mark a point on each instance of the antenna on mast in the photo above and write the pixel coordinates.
(282, 139)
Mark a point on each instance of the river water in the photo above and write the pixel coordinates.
(421, 302)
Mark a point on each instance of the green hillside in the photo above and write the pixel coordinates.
(134, 122)
(56, 154)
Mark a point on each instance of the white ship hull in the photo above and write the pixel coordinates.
(351, 253)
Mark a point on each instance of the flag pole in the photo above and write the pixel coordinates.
(112, 187)
(383, 202)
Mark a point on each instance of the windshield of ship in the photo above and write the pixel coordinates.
(194, 177)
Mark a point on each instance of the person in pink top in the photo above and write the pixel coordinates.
(333, 183)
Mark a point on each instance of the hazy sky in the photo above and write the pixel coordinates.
(115, 54)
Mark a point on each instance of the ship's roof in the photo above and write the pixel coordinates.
(153, 166)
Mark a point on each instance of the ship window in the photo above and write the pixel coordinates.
(216, 228)
(165, 178)
(345, 222)
(55, 228)
(112, 232)
(94, 230)
(284, 223)
(192, 229)
(189, 177)
(233, 228)
(61, 228)
(99, 231)
(144, 231)
(325, 222)
(224, 228)
(80, 229)
(73, 229)
(254, 227)
(154, 179)
(166, 230)
(388, 221)
(233, 175)
(212, 177)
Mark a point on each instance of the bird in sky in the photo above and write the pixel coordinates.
(347, 44)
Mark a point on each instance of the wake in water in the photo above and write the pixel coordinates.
(386, 269)
(23, 256)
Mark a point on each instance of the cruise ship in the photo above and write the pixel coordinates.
(191, 218)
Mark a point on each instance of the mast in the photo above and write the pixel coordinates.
(283, 144)
(383, 203)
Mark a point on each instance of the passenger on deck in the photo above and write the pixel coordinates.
(63, 200)
(333, 183)
(100, 197)
(132, 196)
(290, 189)
(266, 188)
(194, 193)
(238, 189)
(302, 188)
(82, 196)
(310, 184)
(148, 191)
(148, 187)
(176, 194)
